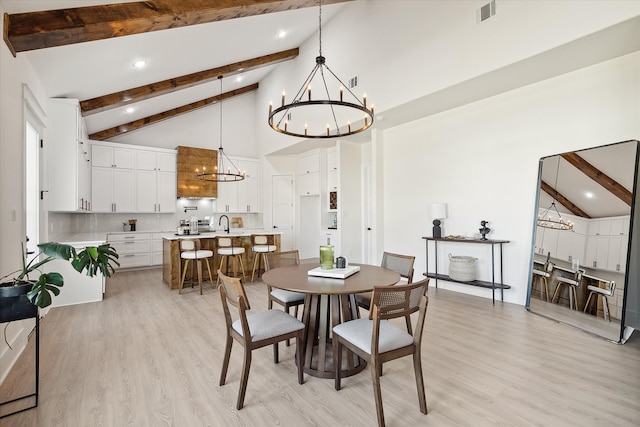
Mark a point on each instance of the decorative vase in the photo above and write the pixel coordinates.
(326, 257)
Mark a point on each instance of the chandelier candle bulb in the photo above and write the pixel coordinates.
(340, 93)
(309, 92)
(348, 126)
(283, 98)
(270, 107)
(364, 100)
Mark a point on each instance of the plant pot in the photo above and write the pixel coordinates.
(14, 304)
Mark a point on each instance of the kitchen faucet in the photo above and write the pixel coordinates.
(226, 230)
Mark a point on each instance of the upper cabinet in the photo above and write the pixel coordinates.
(156, 181)
(309, 175)
(241, 196)
(128, 178)
(69, 182)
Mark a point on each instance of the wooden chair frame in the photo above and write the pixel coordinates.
(233, 286)
(364, 299)
(381, 310)
(273, 260)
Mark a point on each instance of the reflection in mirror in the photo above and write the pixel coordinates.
(582, 237)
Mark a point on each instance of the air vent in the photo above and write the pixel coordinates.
(353, 82)
(486, 11)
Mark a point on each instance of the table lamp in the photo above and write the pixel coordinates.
(438, 212)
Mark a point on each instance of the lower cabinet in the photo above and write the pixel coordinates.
(134, 249)
(156, 249)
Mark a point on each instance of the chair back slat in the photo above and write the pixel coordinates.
(401, 264)
(189, 244)
(224, 242)
(234, 290)
(399, 300)
(259, 239)
(281, 259)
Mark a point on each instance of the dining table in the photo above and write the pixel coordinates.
(328, 302)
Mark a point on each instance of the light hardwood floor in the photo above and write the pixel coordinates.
(147, 356)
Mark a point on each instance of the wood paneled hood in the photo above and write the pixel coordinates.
(190, 159)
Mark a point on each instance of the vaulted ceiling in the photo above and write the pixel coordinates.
(187, 44)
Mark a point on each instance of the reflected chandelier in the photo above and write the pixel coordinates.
(546, 219)
(224, 170)
(288, 118)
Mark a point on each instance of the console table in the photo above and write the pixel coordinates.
(493, 285)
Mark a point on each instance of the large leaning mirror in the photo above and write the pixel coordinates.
(580, 259)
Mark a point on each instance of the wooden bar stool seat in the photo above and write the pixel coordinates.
(225, 248)
(607, 291)
(260, 245)
(190, 250)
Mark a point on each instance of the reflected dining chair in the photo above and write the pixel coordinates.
(377, 340)
(573, 283)
(606, 292)
(401, 264)
(255, 331)
(541, 276)
(287, 299)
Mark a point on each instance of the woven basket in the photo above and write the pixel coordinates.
(462, 268)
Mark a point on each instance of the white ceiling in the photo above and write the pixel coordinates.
(88, 70)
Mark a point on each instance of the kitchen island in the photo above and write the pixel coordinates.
(171, 252)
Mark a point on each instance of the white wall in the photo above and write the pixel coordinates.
(482, 160)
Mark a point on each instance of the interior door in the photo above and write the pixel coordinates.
(32, 184)
(282, 209)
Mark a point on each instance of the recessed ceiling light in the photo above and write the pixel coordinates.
(239, 79)
(589, 195)
(129, 110)
(281, 34)
(140, 63)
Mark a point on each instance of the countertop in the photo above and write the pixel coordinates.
(99, 237)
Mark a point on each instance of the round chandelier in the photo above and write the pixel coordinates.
(306, 117)
(224, 170)
(547, 219)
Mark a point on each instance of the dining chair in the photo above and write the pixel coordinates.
(190, 250)
(255, 331)
(376, 340)
(287, 299)
(604, 292)
(401, 264)
(260, 244)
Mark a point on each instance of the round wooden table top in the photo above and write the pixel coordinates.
(295, 278)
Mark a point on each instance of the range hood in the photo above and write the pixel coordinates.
(190, 159)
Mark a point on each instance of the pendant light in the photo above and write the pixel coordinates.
(307, 117)
(547, 219)
(224, 170)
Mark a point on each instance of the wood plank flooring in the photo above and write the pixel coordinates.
(147, 356)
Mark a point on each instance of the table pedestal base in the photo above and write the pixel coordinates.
(321, 313)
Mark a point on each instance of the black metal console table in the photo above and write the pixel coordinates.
(493, 285)
(19, 308)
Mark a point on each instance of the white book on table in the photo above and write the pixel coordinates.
(334, 273)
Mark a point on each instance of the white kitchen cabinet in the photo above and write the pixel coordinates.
(112, 189)
(570, 246)
(156, 249)
(309, 175)
(156, 188)
(618, 249)
(549, 244)
(68, 182)
(108, 156)
(597, 252)
(134, 249)
(241, 196)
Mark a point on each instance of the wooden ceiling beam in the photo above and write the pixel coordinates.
(156, 118)
(563, 200)
(599, 177)
(140, 93)
(50, 28)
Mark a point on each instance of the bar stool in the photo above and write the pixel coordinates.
(573, 284)
(260, 245)
(190, 250)
(605, 292)
(225, 248)
(541, 276)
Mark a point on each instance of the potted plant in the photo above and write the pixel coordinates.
(92, 259)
